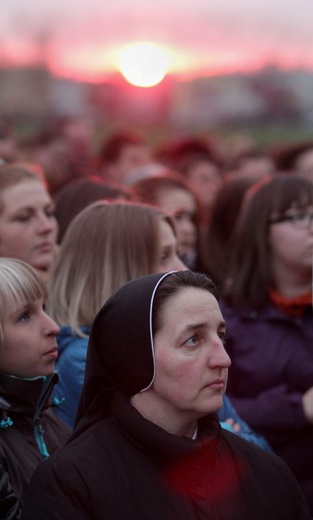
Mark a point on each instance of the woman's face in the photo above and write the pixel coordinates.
(291, 244)
(182, 207)
(168, 259)
(28, 228)
(206, 181)
(29, 346)
(191, 362)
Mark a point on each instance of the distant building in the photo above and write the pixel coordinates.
(270, 95)
(24, 92)
(69, 98)
(33, 92)
(207, 101)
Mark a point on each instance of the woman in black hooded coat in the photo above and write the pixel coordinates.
(147, 443)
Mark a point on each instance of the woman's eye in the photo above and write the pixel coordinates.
(222, 336)
(178, 215)
(22, 218)
(164, 256)
(192, 342)
(295, 216)
(50, 213)
(24, 317)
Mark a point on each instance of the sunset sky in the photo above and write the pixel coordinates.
(83, 38)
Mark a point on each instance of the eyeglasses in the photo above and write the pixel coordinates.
(298, 220)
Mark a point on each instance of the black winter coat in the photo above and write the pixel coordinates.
(124, 467)
(9, 506)
(29, 430)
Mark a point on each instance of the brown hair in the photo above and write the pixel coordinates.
(250, 274)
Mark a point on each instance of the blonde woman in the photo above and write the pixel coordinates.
(29, 430)
(105, 246)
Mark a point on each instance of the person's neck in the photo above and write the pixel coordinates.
(293, 285)
(151, 411)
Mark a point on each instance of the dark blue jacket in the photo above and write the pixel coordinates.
(71, 367)
(272, 366)
(228, 412)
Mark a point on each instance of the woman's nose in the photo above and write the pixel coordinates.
(220, 358)
(46, 223)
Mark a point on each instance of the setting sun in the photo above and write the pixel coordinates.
(144, 64)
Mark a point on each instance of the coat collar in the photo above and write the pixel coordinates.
(25, 396)
(160, 444)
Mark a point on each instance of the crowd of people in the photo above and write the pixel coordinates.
(156, 328)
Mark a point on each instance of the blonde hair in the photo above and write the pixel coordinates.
(106, 245)
(19, 284)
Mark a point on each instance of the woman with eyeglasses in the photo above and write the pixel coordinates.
(267, 305)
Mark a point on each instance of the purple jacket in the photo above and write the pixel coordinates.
(272, 366)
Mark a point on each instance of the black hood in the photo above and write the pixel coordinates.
(120, 349)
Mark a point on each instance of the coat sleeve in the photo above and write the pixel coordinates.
(274, 412)
(9, 505)
(51, 497)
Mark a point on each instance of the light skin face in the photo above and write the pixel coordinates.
(206, 181)
(169, 260)
(182, 207)
(304, 165)
(191, 363)
(257, 167)
(8, 149)
(28, 228)
(132, 157)
(54, 159)
(29, 346)
(291, 255)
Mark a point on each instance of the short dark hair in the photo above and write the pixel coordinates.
(172, 284)
(113, 146)
(148, 190)
(77, 194)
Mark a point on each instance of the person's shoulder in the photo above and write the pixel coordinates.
(261, 460)
(71, 345)
(99, 433)
(91, 448)
(67, 336)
